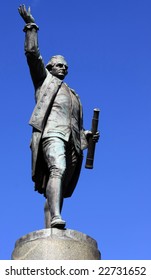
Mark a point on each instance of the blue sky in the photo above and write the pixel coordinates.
(107, 44)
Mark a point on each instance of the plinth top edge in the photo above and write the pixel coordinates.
(55, 233)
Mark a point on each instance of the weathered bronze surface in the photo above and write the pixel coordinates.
(58, 137)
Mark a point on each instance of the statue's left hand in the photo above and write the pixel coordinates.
(95, 137)
(26, 14)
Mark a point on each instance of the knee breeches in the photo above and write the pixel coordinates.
(60, 156)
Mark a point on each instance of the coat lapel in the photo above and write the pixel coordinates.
(47, 94)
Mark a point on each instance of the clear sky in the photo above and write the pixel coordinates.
(107, 44)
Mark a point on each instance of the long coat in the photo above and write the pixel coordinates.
(38, 121)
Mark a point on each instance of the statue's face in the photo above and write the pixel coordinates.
(59, 69)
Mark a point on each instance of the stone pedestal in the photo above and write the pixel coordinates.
(56, 244)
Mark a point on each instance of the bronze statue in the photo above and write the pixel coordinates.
(58, 137)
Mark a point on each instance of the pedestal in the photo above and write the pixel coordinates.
(56, 244)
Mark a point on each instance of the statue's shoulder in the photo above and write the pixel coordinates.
(48, 74)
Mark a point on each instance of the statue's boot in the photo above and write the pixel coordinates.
(55, 200)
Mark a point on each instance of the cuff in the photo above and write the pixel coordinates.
(30, 26)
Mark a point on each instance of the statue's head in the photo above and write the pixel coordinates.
(58, 66)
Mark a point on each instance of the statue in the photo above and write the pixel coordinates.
(58, 136)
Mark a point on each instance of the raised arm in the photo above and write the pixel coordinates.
(34, 59)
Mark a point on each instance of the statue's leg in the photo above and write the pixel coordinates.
(54, 154)
(54, 197)
(47, 214)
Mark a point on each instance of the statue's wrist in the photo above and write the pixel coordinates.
(30, 26)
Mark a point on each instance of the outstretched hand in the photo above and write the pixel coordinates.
(26, 14)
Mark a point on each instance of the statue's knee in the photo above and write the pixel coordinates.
(57, 171)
